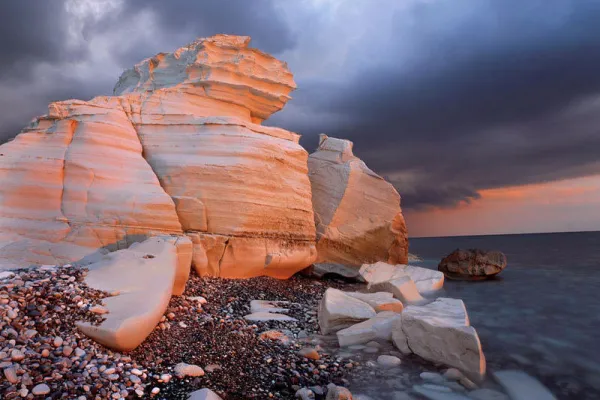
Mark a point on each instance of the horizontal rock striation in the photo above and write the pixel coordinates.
(178, 150)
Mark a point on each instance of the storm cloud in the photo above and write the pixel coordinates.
(442, 97)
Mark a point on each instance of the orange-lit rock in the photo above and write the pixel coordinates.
(178, 150)
(357, 213)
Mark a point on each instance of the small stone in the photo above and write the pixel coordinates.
(338, 393)
(17, 355)
(212, 367)
(183, 324)
(79, 352)
(182, 370)
(139, 392)
(11, 375)
(166, 378)
(134, 379)
(67, 351)
(155, 390)
(109, 371)
(40, 390)
(453, 374)
(99, 310)
(23, 392)
(309, 353)
(388, 361)
(136, 372)
(113, 377)
(30, 333)
(305, 394)
(58, 341)
(45, 353)
(171, 315)
(432, 377)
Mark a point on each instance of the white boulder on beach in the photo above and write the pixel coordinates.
(378, 327)
(426, 280)
(440, 332)
(337, 311)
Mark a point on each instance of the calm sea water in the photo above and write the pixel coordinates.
(542, 313)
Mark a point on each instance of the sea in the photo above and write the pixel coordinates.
(542, 313)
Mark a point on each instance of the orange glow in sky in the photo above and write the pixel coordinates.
(569, 205)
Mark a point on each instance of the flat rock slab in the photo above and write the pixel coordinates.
(521, 386)
(257, 306)
(426, 280)
(268, 316)
(403, 288)
(144, 276)
(378, 327)
(380, 301)
(440, 332)
(337, 311)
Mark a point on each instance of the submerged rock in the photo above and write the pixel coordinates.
(472, 264)
(521, 386)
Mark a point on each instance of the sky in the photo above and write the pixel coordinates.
(484, 114)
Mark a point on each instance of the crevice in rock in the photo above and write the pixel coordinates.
(73, 125)
(223, 255)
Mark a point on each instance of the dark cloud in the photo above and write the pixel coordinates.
(450, 98)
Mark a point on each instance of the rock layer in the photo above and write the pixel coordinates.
(357, 213)
(178, 149)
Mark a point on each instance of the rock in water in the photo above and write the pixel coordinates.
(338, 311)
(426, 280)
(178, 149)
(378, 327)
(357, 213)
(472, 264)
(440, 332)
(521, 386)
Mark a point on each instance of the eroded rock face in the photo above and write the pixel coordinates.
(472, 264)
(357, 213)
(178, 149)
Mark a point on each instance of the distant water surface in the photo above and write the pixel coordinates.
(542, 313)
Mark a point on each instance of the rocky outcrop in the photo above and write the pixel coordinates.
(441, 332)
(472, 264)
(178, 150)
(378, 327)
(142, 278)
(357, 213)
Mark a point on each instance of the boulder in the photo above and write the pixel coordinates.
(378, 327)
(440, 332)
(473, 264)
(204, 394)
(380, 301)
(426, 280)
(521, 386)
(178, 149)
(357, 213)
(144, 276)
(337, 311)
(338, 393)
(403, 288)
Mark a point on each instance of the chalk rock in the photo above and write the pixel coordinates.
(378, 327)
(268, 306)
(182, 370)
(357, 213)
(380, 301)
(319, 270)
(388, 361)
(472, 264)
(403, 288)
(426, 280)
(337, 311)
(178, 149)
(440, 332)
(144, 276)
(521, 386)
(204, 394)
(240, 188)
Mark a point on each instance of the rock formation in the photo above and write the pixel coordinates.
(178, 149)
(357, 213)
(472, 264)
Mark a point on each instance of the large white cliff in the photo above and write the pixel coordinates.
(180, 150)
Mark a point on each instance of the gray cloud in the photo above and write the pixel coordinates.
(443, 97)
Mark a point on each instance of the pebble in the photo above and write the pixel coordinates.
(58, 341)
(453, 374)
(338, 393)
(40, 390)
(23, 392)
(45, 353)
(17, 355)
(136, 372)
(11, 375)
(469, 384)
(99, 310)
(212, 367)
(388, 361)
(310, 353)
(155, 390)
(79, 352)
(134, 379)
(182, 370)
(165, 378)
(67, 351)
(305, 394)
(432, 377)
